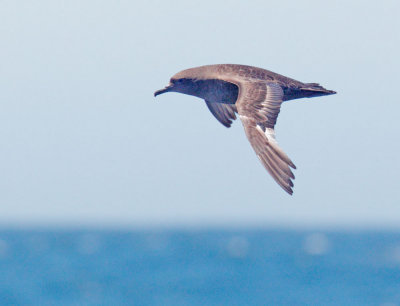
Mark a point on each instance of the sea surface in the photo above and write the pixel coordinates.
(216, 267)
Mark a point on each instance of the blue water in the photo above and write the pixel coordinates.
(271, 267)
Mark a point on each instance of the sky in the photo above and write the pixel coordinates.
(83, 142)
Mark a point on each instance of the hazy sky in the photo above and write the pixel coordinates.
(83, 140)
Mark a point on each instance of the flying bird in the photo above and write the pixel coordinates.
(256, 95)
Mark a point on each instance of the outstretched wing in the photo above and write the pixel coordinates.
(258, 106)
(225, 113)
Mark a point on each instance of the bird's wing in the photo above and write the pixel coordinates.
(258, 106)
(225, 113)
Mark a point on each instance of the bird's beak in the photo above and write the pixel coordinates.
(164, 90)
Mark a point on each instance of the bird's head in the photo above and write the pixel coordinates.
(183, 85)
(187, 82)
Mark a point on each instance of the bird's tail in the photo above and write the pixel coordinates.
(314, 89)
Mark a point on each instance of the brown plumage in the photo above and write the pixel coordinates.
(256, 95)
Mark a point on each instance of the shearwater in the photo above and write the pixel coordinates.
(256, 95)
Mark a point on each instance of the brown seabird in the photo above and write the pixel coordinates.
(256, 95)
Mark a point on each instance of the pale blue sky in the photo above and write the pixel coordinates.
(83, 140)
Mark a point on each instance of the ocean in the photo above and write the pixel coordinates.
(215, 267)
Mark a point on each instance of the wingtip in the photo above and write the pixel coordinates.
(288, 188)
(289, 191)
(226, 124)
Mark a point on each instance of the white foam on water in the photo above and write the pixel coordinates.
(316, 244)
(237, 247)
(89, 244)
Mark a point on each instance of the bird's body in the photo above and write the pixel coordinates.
(256, 95)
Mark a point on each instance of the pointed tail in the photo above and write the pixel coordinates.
(314, 90)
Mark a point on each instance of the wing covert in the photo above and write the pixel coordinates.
(260, 101)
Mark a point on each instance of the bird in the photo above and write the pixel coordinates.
(256, 95)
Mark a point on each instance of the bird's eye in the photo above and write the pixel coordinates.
(178, 81)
